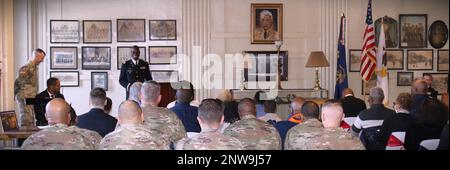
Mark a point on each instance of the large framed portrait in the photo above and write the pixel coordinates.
(130, 30)
(96, 58)
(395, 59)
(165, 76)
(266, 23)
(390, 31)
(124, 54)
(99, 79)
(163, 29)
(367, 85)
(64, 58)
(440, 82)
(438, 34)
(443, 61)
(354, 60)
(67, 78)
(405, 78)
(264, 64)
(420, 60)
(97, 31)
(64, 31)
(8, 121)
(162, 55)
(413, 30)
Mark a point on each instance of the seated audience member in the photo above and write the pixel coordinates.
(230, 111)
(135, 92)
(397, 123)
(310, 110)
(253, 133)
(108, 105)
(184, 85)
(296, 117)
(428, 78)
(443, 143)
(369, 121)
(311, 134)
(258, 98)
(352, 105)
(132, 134)
(186, 112)
(431, 118)
(270, 108)
(210, 117)
(419, 94)
(160, 118)
(60, 136)
(96, 119)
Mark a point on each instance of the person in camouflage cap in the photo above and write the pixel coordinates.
(210, 118)
(26, 86)
(253, 133)
(326, 135)
(59, 136)
(132, 134)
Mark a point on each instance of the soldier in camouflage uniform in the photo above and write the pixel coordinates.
(253, 133)
(159, 118)
(210, 118)
(132, 134)
(26, 86)
(59, 136)
(328, 135)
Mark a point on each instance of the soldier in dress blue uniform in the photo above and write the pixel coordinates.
(134, 70)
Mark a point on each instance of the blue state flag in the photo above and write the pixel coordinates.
(341, 68)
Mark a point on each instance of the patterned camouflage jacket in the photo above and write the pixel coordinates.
(209, 140)
(135, 137)
(310, 135)
(163, 119)
(61, 137)
(254, 134)
(26, 84)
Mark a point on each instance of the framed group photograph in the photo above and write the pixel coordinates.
(354, 60)
(165, 76)
(97, 31)
(130, 30)
(367, 85)
(440, 82)
(8, 121)
(163, 29)
(266, 23)
(64, 31)
(443, 61)
(438, 34)
(390, 31)
(264, 64)
(395, 59)
(96, 58)
(99, 79)
(64, 58)
(413, 30)
(420, 60)
(124, 54)
(67, 78)
(405, 78)
(162, 55)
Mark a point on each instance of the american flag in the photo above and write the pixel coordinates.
(368, 56)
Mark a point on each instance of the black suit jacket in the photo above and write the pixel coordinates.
(352, 106)
(97, 120)
(130, 73)
(39, 108)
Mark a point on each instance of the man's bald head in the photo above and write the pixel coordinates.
(296, 105)
(332, 114)
(246, 107)
(57, 111)
(347, 91)
(419, 86)
(130, 112)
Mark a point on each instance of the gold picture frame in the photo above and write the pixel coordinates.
(266, 23)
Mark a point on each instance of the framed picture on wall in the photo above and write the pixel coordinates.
(124, 54)
(162, 55)
(96, 58)
(67, 78)
(97, 31)
(443, 61)
(390, 31)
(366, 86)
(413, 30)
(438, 34)
(266, 23)
(440, 82)
(420, 60)
(264, 64)
(395, 59)
(130, 30)
(405, 78)
(165, 76)
(99, 79)
(163, 29)
(64, 31)
(64, 58)
(354, 60)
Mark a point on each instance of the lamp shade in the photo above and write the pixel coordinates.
(317, 59)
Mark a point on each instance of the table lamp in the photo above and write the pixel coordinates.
(317, 59)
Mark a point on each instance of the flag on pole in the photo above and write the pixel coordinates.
(382, 79)
(368, 60)
(341, 72)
